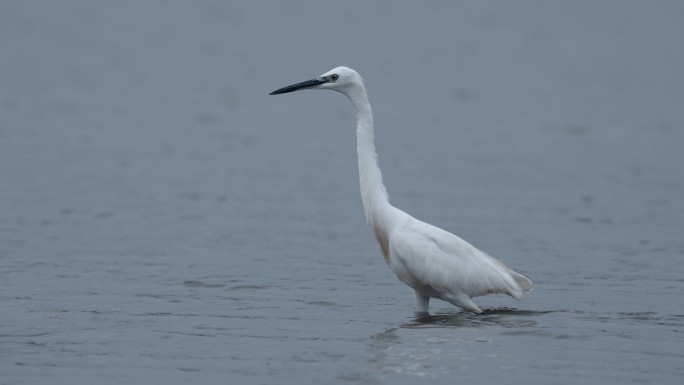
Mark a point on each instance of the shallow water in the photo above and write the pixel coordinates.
(163, 220)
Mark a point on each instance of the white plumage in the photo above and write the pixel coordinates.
(433, 262)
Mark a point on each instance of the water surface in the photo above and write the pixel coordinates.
(163, 220)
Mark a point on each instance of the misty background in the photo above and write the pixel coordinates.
(162, 219)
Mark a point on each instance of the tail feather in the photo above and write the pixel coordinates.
(524, 282)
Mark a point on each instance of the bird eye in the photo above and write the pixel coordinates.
(334, 77)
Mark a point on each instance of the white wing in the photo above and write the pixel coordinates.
(439, 264)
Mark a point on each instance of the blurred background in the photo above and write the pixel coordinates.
(162, 219)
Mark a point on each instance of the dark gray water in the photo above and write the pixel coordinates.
(163, 220)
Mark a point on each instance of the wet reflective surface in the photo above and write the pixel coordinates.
(162, 219)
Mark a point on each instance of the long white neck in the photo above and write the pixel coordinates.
(373, 193)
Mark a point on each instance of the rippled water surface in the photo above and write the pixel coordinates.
(163, 220)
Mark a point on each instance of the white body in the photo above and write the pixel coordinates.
(433, 262)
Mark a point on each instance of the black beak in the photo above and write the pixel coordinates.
(306, 84)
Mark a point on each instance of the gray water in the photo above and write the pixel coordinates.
(163, 220)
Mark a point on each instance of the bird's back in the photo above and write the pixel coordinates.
(439, 264)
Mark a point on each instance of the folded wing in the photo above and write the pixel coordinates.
(438, 263)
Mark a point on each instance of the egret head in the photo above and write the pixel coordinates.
(338, 79)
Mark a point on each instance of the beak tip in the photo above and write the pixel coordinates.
(303, 85)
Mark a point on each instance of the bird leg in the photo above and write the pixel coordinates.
(422, 302)
(464, 302)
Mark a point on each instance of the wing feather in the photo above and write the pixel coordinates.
(434, 261)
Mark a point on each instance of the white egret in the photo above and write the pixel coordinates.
(433, 262)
